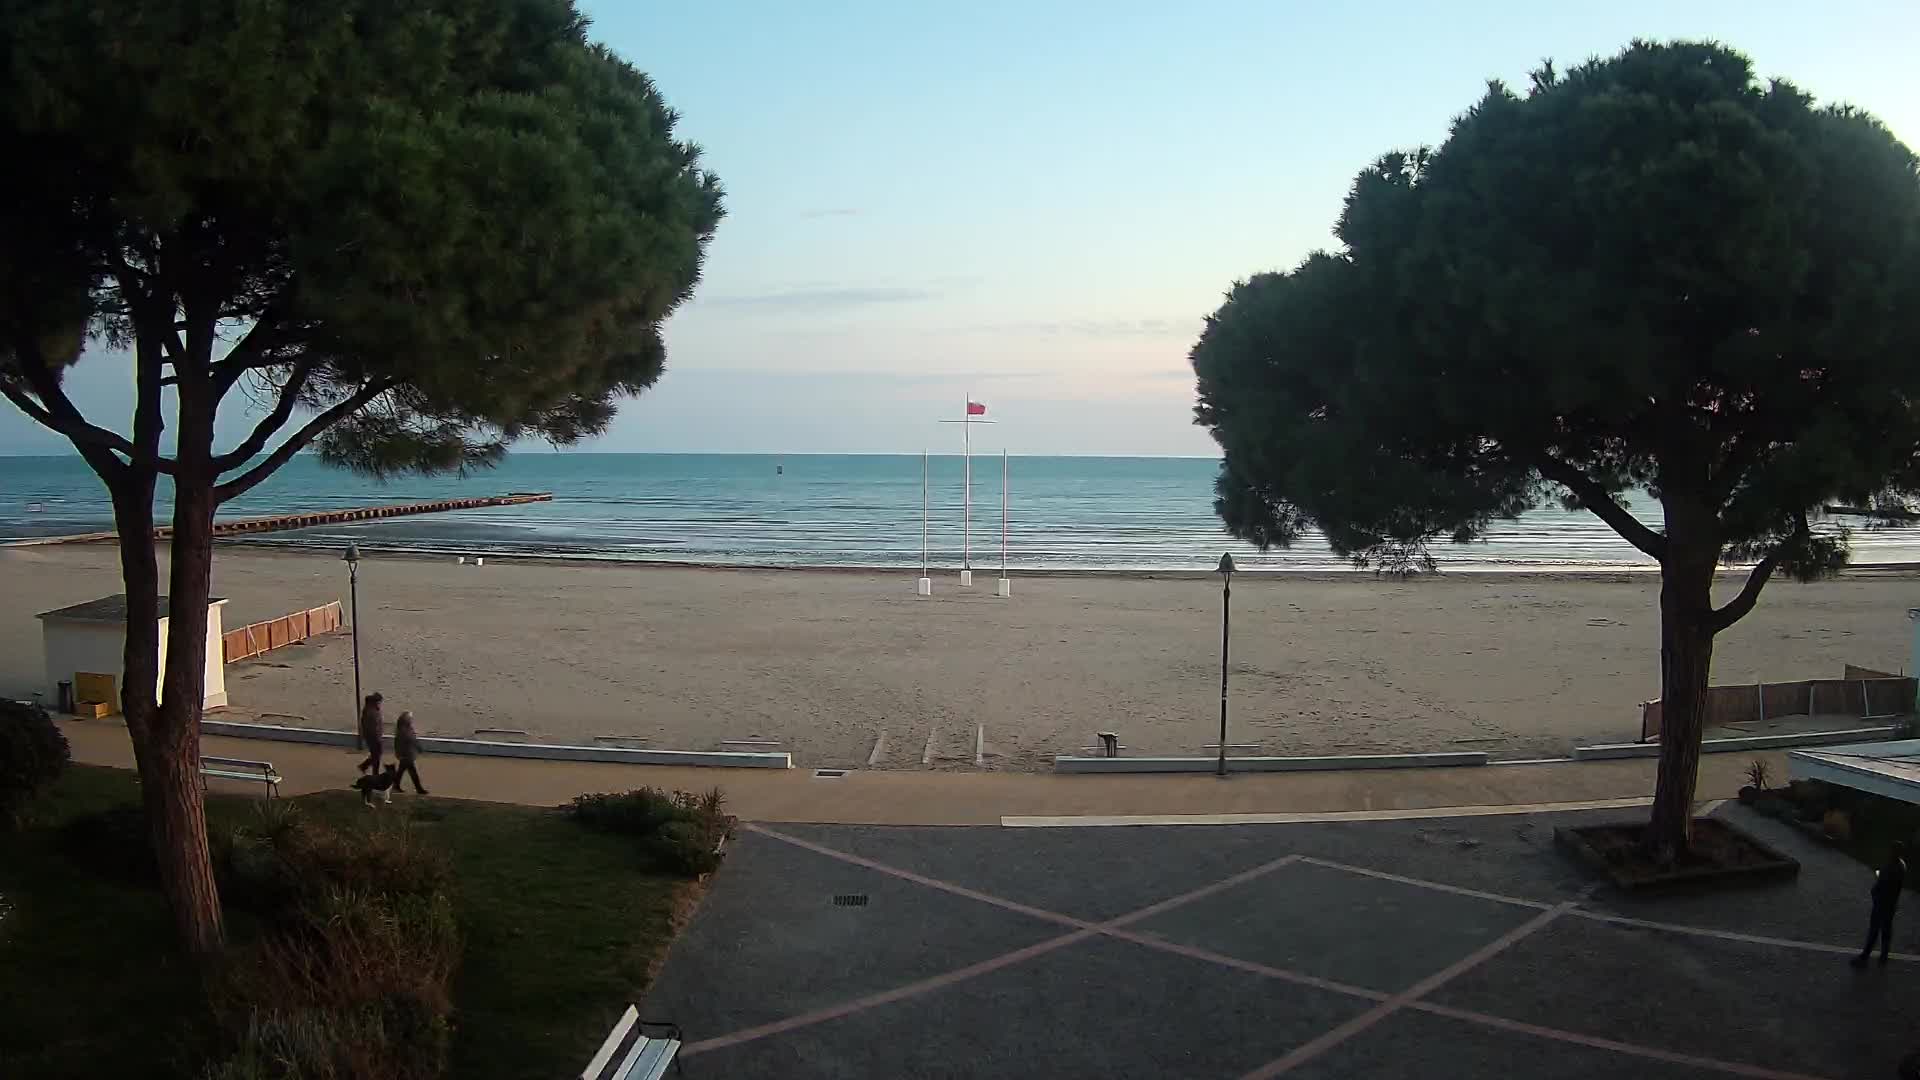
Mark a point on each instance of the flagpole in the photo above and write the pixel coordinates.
(966, 449)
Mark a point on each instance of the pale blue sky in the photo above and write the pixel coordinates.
(1039, 201)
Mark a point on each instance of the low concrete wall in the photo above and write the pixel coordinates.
(484, 748)
(1067, 763)
(1745, 742)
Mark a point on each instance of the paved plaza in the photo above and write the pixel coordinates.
(1434, 948)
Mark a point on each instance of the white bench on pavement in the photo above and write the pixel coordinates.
(636, 1050)
(258, 772)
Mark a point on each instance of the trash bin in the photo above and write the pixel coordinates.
(66, 696)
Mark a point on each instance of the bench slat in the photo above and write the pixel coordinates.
(614, 1044)
(650, 1059)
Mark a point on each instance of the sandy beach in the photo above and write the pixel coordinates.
(827, 663)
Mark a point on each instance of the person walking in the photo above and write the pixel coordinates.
(373, 730)
(406, 747)
(1887, 883)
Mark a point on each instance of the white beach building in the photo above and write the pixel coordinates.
(90, 638)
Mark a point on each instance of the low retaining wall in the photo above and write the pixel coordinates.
(717, 759)
(1744, 742)
(262, 637)
(1066, 763)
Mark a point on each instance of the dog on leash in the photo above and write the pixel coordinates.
(383, 782)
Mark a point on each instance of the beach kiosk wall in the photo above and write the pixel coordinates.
(90, 639)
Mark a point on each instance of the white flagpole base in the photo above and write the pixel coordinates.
(1005, 588)
(966, 578)
(923, 587)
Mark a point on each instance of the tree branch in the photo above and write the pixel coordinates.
(1601, 502)
(56, 412)
(271, 423)
(245, 482)
(1736, 609)
(247, 355)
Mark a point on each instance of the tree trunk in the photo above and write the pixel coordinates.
(1686, 646)
(175, 792)
(140, 577)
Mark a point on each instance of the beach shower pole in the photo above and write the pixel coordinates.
(924, 586)
(1226, 614)
(352, 559)
(1005, 588)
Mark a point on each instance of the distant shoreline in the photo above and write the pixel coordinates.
(1623, 573)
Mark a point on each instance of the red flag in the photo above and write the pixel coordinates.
(974, 408)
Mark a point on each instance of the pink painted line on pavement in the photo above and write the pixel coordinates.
(921, 879)
(898, 993)
(1314, 1047)
(1652, 1053)
(1201, 893)
(1728, 935)
(1601, 916)
(1423, 883)
(1211, 957)
(1388, 1003)
(1084, 929)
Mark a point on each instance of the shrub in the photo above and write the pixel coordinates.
(33, 753)
(640, 812)
(678, 832)
(273, 863)
(352, 980)
(1757, 774)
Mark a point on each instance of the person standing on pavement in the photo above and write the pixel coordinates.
(406, 747)
(1887, 883)
(373, 730)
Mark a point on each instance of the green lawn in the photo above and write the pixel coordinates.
(560, 925)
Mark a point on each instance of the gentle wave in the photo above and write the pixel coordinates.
(845, 511)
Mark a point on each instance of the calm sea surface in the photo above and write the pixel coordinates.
(818, 510)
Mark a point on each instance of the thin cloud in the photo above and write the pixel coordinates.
(827, 212)
(1094, 328)
(908, 378)
(841, 297)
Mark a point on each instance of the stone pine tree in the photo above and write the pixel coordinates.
(1651, 272)
(405, 234)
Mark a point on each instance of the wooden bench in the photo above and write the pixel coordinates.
(636, 1050)
(258, 772)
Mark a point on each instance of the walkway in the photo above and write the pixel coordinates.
(1464, 948)
(967, 798)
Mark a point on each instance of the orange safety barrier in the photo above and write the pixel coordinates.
(252, 640)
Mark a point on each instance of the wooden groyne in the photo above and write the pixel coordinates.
(282, 522)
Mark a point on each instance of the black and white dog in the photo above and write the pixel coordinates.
(383, 782)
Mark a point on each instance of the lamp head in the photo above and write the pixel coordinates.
(1226, 564)
(352, 556)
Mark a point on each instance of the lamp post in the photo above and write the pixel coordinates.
(352, 559)
(1226, 614)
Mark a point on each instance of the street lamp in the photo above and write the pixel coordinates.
(1226, 614)
(352, 559)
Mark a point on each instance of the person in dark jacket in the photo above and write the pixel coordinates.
(406, 747)
(1887, 883)
(373, 730)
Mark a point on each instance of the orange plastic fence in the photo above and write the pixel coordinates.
(256, 638)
